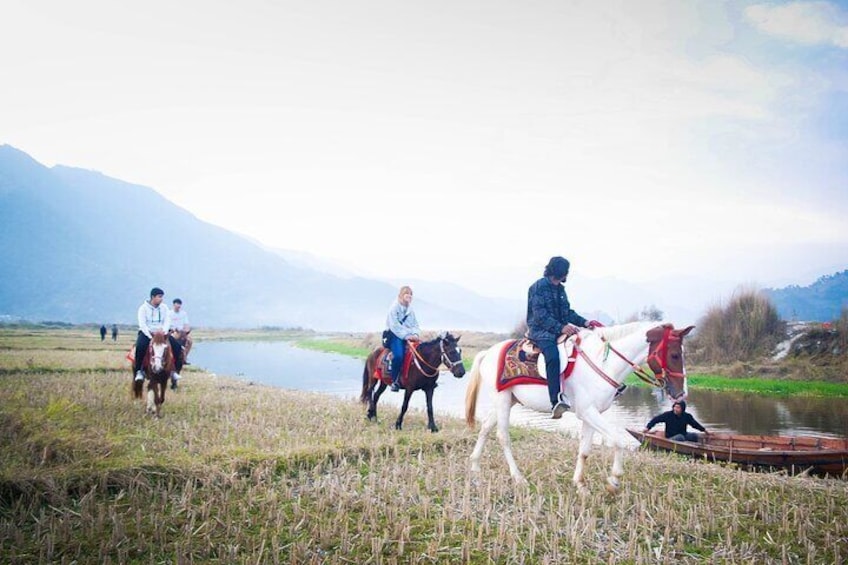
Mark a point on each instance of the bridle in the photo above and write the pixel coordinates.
(444, 359)
(657, 361)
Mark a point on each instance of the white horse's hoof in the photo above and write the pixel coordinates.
(475, 467)
(520, 481)
(582, 489)
(613, 485)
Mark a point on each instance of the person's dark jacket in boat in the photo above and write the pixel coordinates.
(676, 421)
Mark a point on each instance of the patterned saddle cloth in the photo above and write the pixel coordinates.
(382, 372)
(518, 364)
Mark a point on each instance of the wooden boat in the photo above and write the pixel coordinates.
(795, 454)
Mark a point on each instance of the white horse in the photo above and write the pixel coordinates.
(605, 357)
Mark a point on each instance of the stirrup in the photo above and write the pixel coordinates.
(620, 390)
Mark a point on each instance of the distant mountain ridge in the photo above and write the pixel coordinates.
(79, 246)
(821, 301)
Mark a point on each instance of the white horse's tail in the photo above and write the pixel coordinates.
(473, 390)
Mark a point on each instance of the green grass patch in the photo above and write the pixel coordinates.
(331, 346)
(768, 387)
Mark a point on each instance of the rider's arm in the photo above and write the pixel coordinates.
(142, 321)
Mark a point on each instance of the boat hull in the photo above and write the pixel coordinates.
(795, 454)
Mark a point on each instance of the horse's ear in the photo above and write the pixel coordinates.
(458, 338)
(684, 332)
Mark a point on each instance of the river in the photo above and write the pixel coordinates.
(280, 364)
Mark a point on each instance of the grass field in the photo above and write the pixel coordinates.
(239, 473)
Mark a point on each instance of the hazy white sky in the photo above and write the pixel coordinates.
(638, 139)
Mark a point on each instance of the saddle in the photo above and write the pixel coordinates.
(382, 371)
(518, 364)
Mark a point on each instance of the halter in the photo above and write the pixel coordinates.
(444, 359)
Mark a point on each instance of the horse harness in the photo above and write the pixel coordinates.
(657, 361)
(416, 357)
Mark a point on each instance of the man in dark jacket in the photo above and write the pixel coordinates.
(676, 420)
(549, 315)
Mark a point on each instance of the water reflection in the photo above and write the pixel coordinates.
(283, 365)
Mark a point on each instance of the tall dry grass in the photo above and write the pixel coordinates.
(236, 473)
(748, 327)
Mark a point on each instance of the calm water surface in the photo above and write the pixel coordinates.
(282, 365)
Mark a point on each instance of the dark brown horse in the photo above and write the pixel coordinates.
(157, 366)
(424, 362)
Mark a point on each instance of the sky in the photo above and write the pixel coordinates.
(461, 141)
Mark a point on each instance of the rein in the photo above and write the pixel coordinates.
(657, 379)
(416, 356)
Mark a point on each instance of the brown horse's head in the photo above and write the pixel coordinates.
(452, 354)
(160, 358)
(665, 358)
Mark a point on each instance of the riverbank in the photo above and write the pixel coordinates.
(361, 346)
(239, 473)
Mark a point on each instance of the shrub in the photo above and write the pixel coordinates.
(748, 328)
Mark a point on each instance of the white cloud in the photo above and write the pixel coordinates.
(805, 22)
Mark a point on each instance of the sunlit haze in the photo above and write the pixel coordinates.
(461, 141)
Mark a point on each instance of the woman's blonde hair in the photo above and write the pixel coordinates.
(403, 290)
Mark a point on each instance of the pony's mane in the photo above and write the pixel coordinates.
(447, 336)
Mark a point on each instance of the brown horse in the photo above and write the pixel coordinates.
(422, 374)
(157, 366)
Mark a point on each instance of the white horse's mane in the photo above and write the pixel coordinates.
(613, 333)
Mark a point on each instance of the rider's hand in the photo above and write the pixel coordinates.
(569, 330)
(412, 338)
(592, 324)
(645, 430)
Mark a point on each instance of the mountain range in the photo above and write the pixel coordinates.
(80, 247)
(821, 301)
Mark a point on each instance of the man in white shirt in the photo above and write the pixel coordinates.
(181, 328)
(154, 317)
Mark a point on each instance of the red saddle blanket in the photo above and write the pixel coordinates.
(515, 367)
(381, 373)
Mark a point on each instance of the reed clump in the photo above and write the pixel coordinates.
(747, 328)
(240, 473)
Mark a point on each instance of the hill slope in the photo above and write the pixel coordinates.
(822, 301)
(82, 247)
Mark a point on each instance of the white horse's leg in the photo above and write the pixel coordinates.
(488, 423)
(593, 418)
(587, 435)
(151, 400)
(503, 406)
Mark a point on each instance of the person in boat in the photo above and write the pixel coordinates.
(676, 422)
(403, 325)
(549, 316)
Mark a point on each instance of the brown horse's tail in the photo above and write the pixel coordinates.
(473, 390)
(364, 397)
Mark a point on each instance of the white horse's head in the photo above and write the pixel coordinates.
(665, 358)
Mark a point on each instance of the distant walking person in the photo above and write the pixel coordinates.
(102, 333)
(154, 317)
(181, 328)
(403, 325)
(114, 332)
(676, 421)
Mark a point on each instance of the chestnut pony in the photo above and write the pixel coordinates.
(157, 367)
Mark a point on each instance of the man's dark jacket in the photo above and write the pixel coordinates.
(548, 311)
(675, 424)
